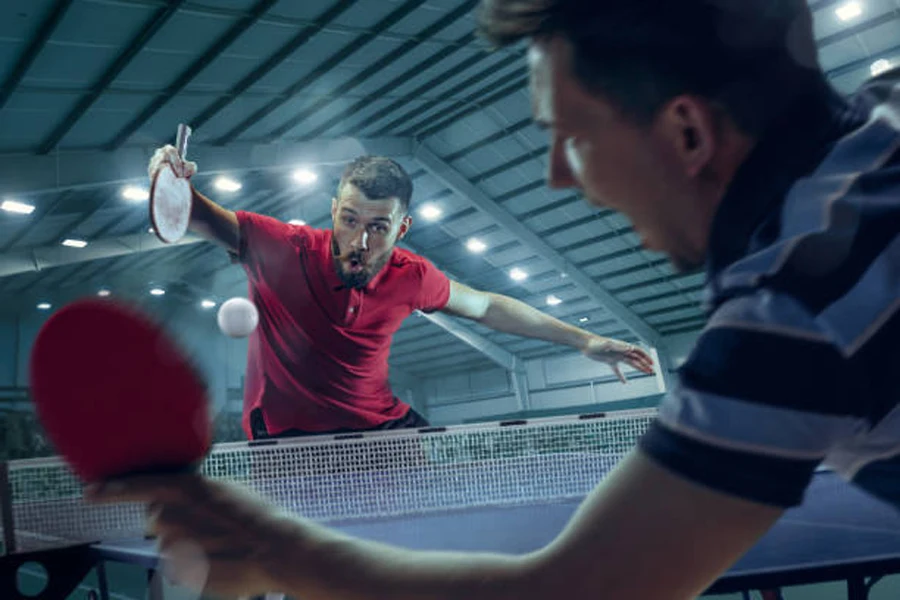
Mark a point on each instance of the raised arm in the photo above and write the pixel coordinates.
(512, 316)
(214, 223)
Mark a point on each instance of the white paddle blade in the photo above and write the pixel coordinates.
(170, 205)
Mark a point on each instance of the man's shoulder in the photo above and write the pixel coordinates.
(835, 221)
(878, 91)
(407, 260)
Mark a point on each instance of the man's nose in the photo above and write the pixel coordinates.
(361, 242)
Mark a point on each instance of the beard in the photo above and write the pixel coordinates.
(358, 279)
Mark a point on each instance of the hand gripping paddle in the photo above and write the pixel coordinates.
(170, 196)
(115, 395)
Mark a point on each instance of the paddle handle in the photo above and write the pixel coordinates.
(181, 139)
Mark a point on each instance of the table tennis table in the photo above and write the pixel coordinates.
(839, 533)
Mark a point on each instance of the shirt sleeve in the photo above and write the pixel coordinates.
(761, 400)
(434, 288)
(266, 246)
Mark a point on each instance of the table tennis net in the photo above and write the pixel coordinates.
(362, 476)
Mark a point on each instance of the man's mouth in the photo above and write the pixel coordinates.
(356, 265)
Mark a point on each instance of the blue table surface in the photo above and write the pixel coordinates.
(836, 525)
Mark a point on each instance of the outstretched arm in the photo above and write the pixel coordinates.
(512, 316)
(214, 223)
(644, 533)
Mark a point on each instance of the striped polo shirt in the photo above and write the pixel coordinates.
(799, 364)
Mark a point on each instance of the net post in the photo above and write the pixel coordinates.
(6, 510)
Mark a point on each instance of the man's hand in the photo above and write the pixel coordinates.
(214, 537)
(168, 154)
(613, 352)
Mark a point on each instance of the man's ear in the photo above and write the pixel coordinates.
(689, 125)
(334, 206)
(405, 224)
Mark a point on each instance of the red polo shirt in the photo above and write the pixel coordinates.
(318, 360)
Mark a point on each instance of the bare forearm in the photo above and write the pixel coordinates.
(337, 567)
(214, 223)
(517, 318)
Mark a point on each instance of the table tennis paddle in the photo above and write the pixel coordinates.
(170, 196)
(116, 395)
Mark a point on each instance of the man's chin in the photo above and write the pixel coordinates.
(355, 280)
(685, 265)
(680, 263)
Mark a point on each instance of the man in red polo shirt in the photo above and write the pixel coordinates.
(330, 301)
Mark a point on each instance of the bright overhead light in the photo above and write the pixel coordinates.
(43, 306)
(157, 292)
(74, 243)
(583, 320)
(104, 292)
(305, 176)
(207, 304)
(880, 66)
(518, 274)
(476, 246)
(226, 184)
(19, 208)
(553, 300)
(430, 212)
(848, 11)
(135, 194)
(296, 222)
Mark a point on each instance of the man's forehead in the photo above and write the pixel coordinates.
(353, 200)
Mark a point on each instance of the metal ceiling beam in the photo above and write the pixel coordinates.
(22, 174)
(324, 66)
(478, 101)
(451, 178)
(343, 116)
(505, 359)
(386, 60)
(422, 112)
(38, 40)
(305, 33)
(225, 40)
(46, 257)
(134, 47)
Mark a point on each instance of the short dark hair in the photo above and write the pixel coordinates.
(752, 58)
(378, 178)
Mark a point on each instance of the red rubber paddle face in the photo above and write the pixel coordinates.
(115, 395)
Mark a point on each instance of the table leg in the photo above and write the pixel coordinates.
(857, 588)
(155, 585)
(102, 581)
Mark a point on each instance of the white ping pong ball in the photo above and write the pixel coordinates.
(238, 317)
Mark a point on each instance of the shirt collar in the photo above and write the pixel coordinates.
(794, 145)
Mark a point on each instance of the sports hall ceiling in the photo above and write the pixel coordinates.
(89, 88)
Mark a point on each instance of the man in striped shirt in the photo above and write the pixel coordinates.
(711, 126)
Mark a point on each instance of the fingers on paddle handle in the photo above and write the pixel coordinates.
(168, 155)
(190, 168)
